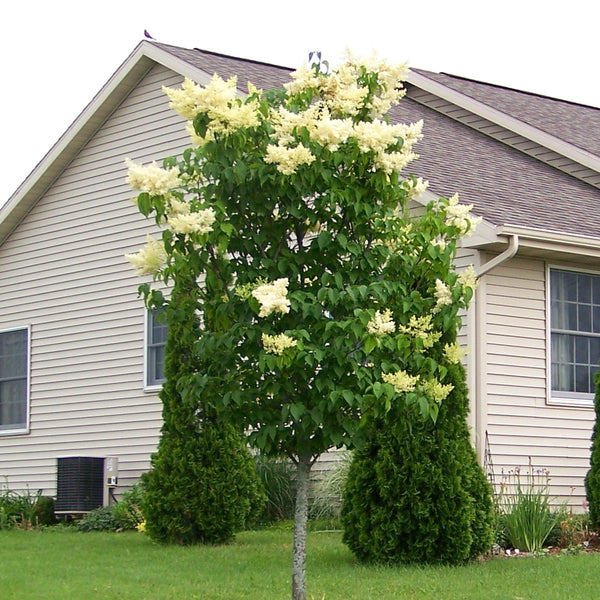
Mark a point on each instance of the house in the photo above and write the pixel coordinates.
(80, 359)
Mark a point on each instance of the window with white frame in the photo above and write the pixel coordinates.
(574, 333)
(13, 379)
(155, 348)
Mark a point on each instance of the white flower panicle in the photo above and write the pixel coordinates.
(152, 179)
(468, 277)
(192, 222)
(421, 328)
(443, 295)
(150, 259)
(435, 390)
(219, 101)
(381, 323)
(401, 380)
(454, 353)
(272, 297)
(277, 344)
(458, 215)
(288, 159)
(417, 187)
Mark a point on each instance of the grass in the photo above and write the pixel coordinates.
(65, 565)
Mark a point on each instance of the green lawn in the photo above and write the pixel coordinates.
(64, 565)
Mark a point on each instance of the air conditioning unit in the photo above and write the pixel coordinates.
(82, 483)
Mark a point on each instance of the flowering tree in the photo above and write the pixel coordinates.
(322, 299)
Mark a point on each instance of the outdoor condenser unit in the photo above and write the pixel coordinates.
(80, 484)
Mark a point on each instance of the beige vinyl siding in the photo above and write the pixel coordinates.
(64, 275)
(520, 423)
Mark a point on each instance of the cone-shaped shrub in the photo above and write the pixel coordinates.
(592, 480)
(415, 491)
(203, 485)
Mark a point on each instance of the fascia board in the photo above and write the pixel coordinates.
(556, 241)
(493, 115)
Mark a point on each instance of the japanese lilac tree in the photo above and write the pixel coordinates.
(323, 301)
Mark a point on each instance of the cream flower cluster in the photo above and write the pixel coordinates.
(421, 327)
(346, 94)
(454, 353)
(192, 222)
(381, 323)
(288, 159)
(277, 344)
(436, 390)
(377, 136)
(151, 178)
(443, 295)
(219, 101)
(401, 380)
(150, 259)
(458, 215)
(389, 78)
(468, 277)
(339, 96)
(272, 297)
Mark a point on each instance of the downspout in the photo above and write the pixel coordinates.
(481, 344)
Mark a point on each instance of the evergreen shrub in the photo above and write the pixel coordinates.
(415, 491)
(592, 480)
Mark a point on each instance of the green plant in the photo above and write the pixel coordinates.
(277, 477)
(19, 510)
(44, 511)
(592, 479)
(328, 489)
(128, 511)
(99, 519)
(415, 490)
(529, 518)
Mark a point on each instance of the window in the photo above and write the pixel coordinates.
(155, 348)
(13, 380)
(574, 333)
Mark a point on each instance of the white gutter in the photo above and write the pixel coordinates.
(513, 247)
(480, 342)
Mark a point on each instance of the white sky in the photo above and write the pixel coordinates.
(57, 54)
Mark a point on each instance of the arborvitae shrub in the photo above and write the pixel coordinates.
(202, 489)
(415, 491)
(592, 480)
(202, 486)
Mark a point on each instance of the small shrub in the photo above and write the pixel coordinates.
(592, 479)
(18, 510)
(128, 511)
(525, 501)
(99, 519)
(277, 478)
(44, 511)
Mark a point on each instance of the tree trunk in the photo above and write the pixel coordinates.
(300, 525)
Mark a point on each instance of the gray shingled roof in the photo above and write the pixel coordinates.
(576, 123)
(505, 186)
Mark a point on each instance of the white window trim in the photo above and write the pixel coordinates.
(554, 398)
(155, 387)
(26, 429)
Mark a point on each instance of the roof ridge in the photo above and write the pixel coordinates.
(223, 55)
